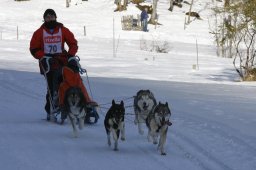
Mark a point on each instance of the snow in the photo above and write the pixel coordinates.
(213, 113)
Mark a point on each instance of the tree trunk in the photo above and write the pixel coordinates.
(226, 3)
(154, 13)
(125, 3)
(171, 5)
(67, 3)
(192, 1)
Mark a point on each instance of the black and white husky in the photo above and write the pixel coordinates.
(144, 103)
(114, 123)
(74, 108)
(157, 123)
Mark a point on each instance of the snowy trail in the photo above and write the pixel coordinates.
(195, 141)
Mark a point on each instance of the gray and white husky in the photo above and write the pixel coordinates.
(157, 123)
(114, 123)
(74, 108)
(144, 103)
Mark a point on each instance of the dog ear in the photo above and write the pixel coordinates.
(122, 103)
(166, 104)
(113, 102)
(139, 92)
(160, 103)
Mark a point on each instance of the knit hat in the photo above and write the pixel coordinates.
(50, 12)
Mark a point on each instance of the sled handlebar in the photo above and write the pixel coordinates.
(77, 59)
(47, 58)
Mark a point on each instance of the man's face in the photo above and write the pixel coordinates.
(49, 17)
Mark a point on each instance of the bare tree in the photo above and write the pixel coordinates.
(153, 18)
(171, 5)
(237, 36)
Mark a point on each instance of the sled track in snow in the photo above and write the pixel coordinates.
(187, 153)
(225, 136)
(201, 151)
(222, 133)
(155, 157)
(211, 160)
(19, 89)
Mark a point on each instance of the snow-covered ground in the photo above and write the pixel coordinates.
(213, 114)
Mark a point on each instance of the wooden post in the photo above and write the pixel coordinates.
(190, 11)
(84, 31)
(17, 32)
(114, 53)
(185, 23)
(67, 3)
(197, 55)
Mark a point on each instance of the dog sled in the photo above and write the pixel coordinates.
(71, 80)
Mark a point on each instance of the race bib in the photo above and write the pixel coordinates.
(52, 42)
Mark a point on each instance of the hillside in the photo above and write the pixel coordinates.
(97, 45)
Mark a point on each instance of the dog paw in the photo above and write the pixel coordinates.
(163, 153)
(115, 149)
(154, 142)
(81, 126)
(135, 121)
(141, 132)
(75, 134)
(123, 138)
(149, 139)
(62, 122)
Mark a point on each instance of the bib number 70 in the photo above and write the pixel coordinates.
(52, 48)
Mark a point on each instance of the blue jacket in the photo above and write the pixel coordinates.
(143, 15)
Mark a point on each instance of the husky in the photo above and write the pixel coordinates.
(114, 122)
(74, 108)
(144, 102)
(157, 123)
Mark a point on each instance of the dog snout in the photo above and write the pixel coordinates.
(163, 121)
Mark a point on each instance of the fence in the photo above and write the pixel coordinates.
(130, 22)
(22, 32)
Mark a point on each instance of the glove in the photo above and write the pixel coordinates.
(73, 65)
(46, 63)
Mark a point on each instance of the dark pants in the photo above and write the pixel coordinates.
(144, 24)
(54, 78)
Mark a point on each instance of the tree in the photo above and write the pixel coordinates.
(153, 18)
(238, 29)
(171, 5)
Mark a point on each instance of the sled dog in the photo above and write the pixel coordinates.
(74, 108)
(157, 123)
(114, 123)
(144, 102)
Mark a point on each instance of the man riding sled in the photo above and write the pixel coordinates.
(47, 45)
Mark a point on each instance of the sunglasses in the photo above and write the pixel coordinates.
(49, 18)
